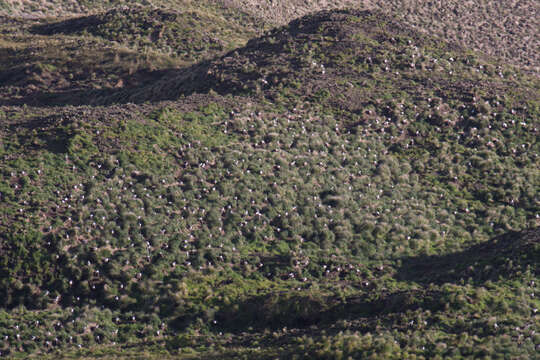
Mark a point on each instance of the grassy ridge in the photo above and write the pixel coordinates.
(505, 30)
(75, 60)
(342, 186)
(189, 35)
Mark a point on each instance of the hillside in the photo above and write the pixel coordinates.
(506, 29)
(340, 186)
(60, 61)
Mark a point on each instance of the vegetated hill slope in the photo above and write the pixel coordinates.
(342, 186)
(191, 35)
(57, 62)
(507, 29)
(60, 69)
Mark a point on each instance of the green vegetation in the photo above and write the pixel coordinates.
(190, 35)
(340, 187)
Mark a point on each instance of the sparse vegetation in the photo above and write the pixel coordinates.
(343, 186)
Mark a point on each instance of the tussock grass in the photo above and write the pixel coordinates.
(309, 195)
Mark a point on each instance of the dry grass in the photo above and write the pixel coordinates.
(506, 29)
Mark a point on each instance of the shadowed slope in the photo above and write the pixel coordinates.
(81, 59)
(502, 257)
